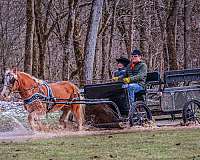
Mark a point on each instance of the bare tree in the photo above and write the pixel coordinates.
(90, 44)
(12, 27)
(30, 16)
(171, 33)
(54, 32)
(161, 16)
(104, 33)
(78, 51)
(41, 39)
(68, 43)
(34, 57)
(113, 27)
(188, 5)
(142, 27)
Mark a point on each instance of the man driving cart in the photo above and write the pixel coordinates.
(135, 76)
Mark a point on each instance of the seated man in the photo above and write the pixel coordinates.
(122, 63)
(135, 75)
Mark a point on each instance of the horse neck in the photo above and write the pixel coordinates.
(26, 84)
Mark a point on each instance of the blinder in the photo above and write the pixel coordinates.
(10, 80)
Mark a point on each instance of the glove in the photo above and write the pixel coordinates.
(115, 78)
(127, 80)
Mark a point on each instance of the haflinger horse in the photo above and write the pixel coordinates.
(32, 89)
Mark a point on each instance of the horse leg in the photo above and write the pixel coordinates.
(63, 116)
(78, 113)
(35, 122)
(31, 121)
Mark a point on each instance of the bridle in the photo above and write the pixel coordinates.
(12, 80)
(28, 98)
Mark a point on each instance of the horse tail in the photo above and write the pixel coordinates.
(82, 108)
(76, 92)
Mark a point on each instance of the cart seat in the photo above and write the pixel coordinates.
(153, 78)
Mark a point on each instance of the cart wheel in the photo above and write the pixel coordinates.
(141, 115)
(191, 112)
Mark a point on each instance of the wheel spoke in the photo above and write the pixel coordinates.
(198, 120)
(192, 112)
(194, 108)
(140, 115)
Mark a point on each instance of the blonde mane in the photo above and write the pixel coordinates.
(32, 77)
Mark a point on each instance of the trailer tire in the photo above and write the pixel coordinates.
(191, 112)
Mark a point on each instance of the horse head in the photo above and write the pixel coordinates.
(9, 82)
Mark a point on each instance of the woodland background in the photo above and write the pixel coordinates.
(79, 40)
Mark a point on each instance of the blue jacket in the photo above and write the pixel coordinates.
(121, 72)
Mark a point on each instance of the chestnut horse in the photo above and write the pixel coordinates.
(30, 87)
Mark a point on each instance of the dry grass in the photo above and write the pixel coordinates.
(174, 144)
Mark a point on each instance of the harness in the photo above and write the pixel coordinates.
(42, 96)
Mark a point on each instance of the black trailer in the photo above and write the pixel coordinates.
(176, 94)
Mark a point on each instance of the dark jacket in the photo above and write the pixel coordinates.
(138, 74)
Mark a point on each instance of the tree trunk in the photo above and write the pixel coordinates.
(79, 52)
(164, 58)
(171, 40)
(142, 27)
(132, 26)
(90, 44)
(188, 5)
(128, 35)
(68, 44)
(113, 27)
(104, 54)
(122, 30)
(104, 42)
(151, 57)
(30, 16)
(42, 58)
(43, 31)
(40, 38)
(35, 57)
